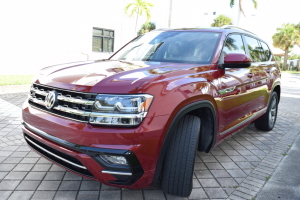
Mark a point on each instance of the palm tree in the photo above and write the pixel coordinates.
(298, 43)
(286, 37)
(221, 20)
(232, 2)
(147, 27)
(139, 7)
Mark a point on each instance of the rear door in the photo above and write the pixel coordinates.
(258, 70)
(269, 65)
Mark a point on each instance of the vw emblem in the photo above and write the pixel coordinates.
(51, 99)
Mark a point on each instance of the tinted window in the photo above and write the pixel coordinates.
(176, 46)
(266, 50)
(234, 44)
(255, 50)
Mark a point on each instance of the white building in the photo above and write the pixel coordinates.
(36, 34)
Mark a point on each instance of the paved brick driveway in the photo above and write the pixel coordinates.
(236, 169)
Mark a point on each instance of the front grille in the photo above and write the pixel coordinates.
(70, 104)
(58, 157)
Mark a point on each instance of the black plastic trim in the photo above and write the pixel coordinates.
(134, 165)
(54, 159)
(234, 65)
(179, 115)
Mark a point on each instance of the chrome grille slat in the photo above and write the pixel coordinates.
(38, 101)
(72, 111)
(40, 92)
(73, 100)
(70, 104)
(65, 98)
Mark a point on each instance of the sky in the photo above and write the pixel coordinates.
(263, 21)
(38, 33)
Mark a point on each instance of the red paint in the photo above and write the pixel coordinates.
(173, 85)
(236, 58)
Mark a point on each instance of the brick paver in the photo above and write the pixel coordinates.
(236, 169)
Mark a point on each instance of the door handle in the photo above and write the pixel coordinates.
(250, 75)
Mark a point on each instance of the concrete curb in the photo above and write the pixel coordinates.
(6, 89)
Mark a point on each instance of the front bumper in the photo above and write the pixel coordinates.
(80, 154)
(123, 175)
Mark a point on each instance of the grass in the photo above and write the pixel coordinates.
(15, 79)
(284, 154)
(291, 72)
(268, 178)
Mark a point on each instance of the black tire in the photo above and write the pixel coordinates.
(267, 121)
(178, 168)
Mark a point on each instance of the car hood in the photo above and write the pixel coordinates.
(108, 76)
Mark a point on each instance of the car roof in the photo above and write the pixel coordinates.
(226, 29)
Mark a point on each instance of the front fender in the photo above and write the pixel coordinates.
(171, 127)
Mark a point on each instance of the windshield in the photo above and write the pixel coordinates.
(176, 46)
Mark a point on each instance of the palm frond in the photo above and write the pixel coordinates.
(232, 3)
(255, 3)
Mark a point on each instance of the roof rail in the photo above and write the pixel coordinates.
(235, 27)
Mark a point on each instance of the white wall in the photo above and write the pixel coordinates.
(35, 33)
(39, 33)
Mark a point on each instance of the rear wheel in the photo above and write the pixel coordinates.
(267, 121)
(178, 168)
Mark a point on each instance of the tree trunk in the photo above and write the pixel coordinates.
(298, 65)
(170, 13)
(137, 16)
(285, 59)
(239, 13)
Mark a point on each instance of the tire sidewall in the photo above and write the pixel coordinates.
(274, 94)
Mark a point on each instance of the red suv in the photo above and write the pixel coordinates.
(142, 114)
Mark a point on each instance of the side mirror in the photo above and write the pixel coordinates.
(236, 60)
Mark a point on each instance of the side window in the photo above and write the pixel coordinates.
(234, 44)
(255, 50)
(266, 50)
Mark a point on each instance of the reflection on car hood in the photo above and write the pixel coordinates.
(107, 76)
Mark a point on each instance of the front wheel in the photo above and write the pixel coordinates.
(267, 121)
(178, 168)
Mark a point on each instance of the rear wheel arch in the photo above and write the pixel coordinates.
(277, 89)
(205, 110)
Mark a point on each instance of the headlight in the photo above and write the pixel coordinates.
(120, 109)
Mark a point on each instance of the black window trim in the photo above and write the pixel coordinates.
(259, 43)
(221, 60)
(270, 58)
(102, 36)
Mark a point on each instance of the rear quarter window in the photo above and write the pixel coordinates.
(266, 50)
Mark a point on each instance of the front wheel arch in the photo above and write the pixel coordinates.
(198, 109)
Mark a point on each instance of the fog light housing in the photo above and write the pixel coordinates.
(112, 159)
